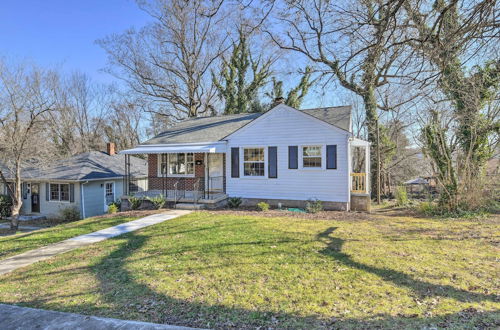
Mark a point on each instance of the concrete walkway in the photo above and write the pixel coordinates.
(14, 317)
(46, 252)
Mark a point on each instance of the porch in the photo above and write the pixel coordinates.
(359, 166)
(359, 181)
(180, 174)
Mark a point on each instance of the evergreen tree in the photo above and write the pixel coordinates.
(295, 96)
(234, 86)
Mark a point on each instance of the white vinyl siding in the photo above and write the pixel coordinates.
(284, 127)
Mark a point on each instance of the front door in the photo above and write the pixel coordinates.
(109, 194)
(215, 172)
(35, 197)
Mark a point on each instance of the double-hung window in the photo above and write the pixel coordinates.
(59, 192)
(311, 157)
(253, 162)
(177, 164)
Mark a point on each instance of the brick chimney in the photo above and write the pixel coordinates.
(278, 100)
(111, 148)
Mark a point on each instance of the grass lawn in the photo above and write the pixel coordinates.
(22, 242)
(224, 270)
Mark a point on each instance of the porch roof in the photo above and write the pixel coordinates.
(208, 147)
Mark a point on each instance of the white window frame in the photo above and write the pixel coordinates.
(168, 174)
(242, 162)
(301, 157)
(59, 200)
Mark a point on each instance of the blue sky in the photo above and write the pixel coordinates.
(63, 33)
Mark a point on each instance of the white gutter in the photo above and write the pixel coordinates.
(211, 147)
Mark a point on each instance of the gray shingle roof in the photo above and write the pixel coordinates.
(204, 129)
(211, 129)
(92, 165)
(337, 116)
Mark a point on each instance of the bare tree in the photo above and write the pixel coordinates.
(124, 124)
(77, 125)
(360, 43)
(27, 96)
(169, 61)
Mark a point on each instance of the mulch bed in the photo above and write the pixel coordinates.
(324, 215)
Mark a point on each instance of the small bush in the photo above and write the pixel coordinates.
(69, 214)
(263, 206)
(314, 206)
(134, 203)
(234, 202)
(5, 206)
(427, 208)
(158, 201)
(118, 204)
(401, 196)
(112, 208)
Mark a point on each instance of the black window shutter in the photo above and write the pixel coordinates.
(235, 162)
(331, 157)
(293, 157)
(71, 192)
(47, 191)
(273, 162)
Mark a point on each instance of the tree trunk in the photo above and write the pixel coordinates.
(370, 104)
(16, 200)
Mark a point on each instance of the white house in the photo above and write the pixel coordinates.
(285, 156)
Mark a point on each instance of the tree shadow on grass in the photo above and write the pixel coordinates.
(135, 300)
(123, 295)
(421, 288)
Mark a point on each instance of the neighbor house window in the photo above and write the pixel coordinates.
(311, 157)
(59, 192)
(178, 164)
(253, 162)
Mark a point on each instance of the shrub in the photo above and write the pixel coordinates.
(427, 208)
(69, 214)
(314, 206)
(401, 196)
(263, 206)
(118, 204)
(5, 206)
(234, 202)
(158, 201)
(134, 202)
(112, 208)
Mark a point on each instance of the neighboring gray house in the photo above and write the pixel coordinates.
(88, 181)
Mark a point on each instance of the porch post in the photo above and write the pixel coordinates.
(125, 190)
(126, 179)
(164, 175)
(208, 175)
(367, 168)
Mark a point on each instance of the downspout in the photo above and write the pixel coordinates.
(83, 198)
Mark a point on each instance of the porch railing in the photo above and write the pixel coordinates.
(184, 188)
(358, 183)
